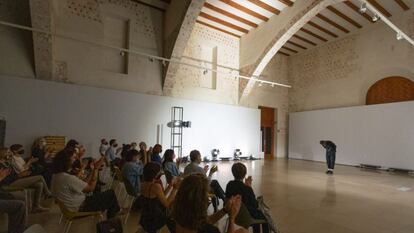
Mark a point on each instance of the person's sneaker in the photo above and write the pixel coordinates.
(39, 209)
(327, 172)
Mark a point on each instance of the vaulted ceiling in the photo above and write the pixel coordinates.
(339, 20)
(238, 17)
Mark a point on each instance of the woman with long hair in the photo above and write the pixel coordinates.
(189, 210)
(168, 163)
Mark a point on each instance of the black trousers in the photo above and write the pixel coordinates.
(101, 202)
(330, 159)
(256, 227)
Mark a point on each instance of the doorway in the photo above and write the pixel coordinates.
(267, 123)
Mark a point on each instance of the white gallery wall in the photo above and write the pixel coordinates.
(33, 108)
(376, 134)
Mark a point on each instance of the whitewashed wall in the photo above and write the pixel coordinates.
(33, 108)
(377, 134)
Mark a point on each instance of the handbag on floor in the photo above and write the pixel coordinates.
(113, 225)
(266, 212)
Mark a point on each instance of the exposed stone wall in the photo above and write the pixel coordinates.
(84, 63)
(339, 73)
(187, 82)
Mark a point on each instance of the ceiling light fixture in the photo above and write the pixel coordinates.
(399, 36)
(363, 8)
(375, 18)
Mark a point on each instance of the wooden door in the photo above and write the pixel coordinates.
(267, 122)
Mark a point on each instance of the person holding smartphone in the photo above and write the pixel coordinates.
(330, 155)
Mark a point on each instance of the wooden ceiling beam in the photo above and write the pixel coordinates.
(380, 8)
(314, 35)
(265, 6)
(230, 15)
(322, 29)
(286, 2)
(289, 49)
(305, 40)
(343, 16)
(356, 9)
(324, 18)
(296, 44)
(216, 28)
(222, 22)
(402, 4)
(245, 10)
(285, 54)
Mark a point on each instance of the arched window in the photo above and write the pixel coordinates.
(389, 90)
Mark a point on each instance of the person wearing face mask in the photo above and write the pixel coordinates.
(133, 169)
(22, 180)
(110, 153)
(19, 164)
(104, 147)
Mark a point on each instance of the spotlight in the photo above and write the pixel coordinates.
(237, 154)
(164, 63)
(122, 53)
(363, 8)
(214, 154)
(273, 85)
(205, 72)
(151, 59)
(399, 36)
(260, 84)
(183, 124)
(375, 18)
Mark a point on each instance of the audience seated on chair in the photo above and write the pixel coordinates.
(243, 187)
(194, 167)
(190, 208)
(18, 162)
(155, 200)
(24, 180)
(44, 156)
(111, 152)
(15, 209)
(133, 169)
(169, 165)
(155, 154)
(71, 191)
(144, 153)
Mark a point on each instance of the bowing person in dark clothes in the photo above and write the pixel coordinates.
(244, 189)
(330, 155)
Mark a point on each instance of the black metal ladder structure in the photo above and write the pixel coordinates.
(177, 130)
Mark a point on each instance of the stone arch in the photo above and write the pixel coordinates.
(301, 13)
(389, 90)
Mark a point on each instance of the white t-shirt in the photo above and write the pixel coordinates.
(18, 164)
(68, 189)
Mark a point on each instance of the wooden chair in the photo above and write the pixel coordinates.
(70, 216)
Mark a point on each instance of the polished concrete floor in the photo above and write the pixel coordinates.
(304, 199)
